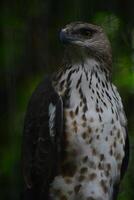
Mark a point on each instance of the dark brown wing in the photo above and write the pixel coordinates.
(41, 140)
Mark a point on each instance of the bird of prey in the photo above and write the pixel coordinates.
(75, 143)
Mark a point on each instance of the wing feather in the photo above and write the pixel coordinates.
(40, 150)
(123, 122)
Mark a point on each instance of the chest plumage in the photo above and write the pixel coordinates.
(93, 136)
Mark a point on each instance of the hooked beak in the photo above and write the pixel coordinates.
(65, 37)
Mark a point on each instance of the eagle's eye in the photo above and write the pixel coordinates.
(86, 32)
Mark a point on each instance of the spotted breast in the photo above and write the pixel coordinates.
(93, 137)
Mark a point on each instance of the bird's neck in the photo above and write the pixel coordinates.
(88, 66)
(89, 73)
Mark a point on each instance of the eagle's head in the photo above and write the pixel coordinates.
(86, 40)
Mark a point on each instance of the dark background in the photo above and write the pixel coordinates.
(30, 48)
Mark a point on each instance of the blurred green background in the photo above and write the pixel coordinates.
(30, 48)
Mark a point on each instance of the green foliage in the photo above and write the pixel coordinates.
(109, 21)
(125, 73)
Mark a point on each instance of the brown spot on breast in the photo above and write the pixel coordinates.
(74, 123)
(97, 109)
(81, 178)
(94, 151)
(105, 104)
(84, 124)
(76, 110)
(102, 130)
(118, 134)
(104, 186)
(112, 121)
(84, 100)
(84, 117)
(80, 103)
(77, 188)
(90, 140)
(117, 117)
(92, 176)
(100, 166)
(85, 159)
(114, 144)
(93, 91)
(83, 170)
(106, 138)
(97, 85)
(97, 137)
(101, 174)
(72, 115)
(85, 108)
(75, 126)
(102, 94)
(102, 157)
(121, 141)
(107, 173)
(109, 166)
(101, 110)
(63, 197)
(89, 129)
(111, 151)
(84, 135)
(90, 198)
(100, 118)
(78, 83)
(96, 130)
(68, 180)
(111, 133)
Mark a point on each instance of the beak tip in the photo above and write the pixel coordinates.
(63, 37)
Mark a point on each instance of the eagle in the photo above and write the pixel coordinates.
(75, 141)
